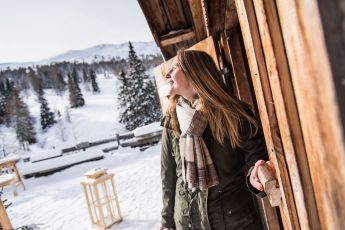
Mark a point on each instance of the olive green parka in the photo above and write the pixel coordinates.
(226, 206)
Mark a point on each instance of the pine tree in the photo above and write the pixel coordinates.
(2, 102)
(123, 90)
(95, 88)
(2, 107)
(75, 96)
(86, 81)
(142, 106)
(47, 117)
(60, 84)
(21, 119)
(62, 128)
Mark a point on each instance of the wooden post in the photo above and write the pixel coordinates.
(88, 204)
(4, 220)
(317, 106)
(99, 205)
(116, 198)
(277, 69)
(256, 62)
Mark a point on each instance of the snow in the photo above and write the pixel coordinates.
(6, 177)
(57, 201)
(148, 129)
(45, 155)
(58, 162)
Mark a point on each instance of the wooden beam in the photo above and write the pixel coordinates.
(175, 14)
(195, 8)
(206, 17)
(241, 81)
(244, 91)
(332, 18)
(287, 114)
(177, 39)
(155, 16)
(281, 111)
(317, 106)
(256, 61)
(216, 12)
(4, 219)
(231, 18)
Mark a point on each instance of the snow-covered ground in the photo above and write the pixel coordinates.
(57, 201)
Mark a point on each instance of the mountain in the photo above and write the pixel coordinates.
(93, 54)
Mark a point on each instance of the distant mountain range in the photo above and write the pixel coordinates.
(93, 54)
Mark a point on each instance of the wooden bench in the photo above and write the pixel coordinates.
(9, 175)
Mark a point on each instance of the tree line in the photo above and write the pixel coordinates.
(138, 99)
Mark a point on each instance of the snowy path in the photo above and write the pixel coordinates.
(57, 201)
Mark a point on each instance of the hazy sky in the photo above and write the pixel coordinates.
(31, 30)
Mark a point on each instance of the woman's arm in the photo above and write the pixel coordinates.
(255, 150)
(168, 175)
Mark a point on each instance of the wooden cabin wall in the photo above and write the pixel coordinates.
(234, 46)
(317, 106)
(293, 109)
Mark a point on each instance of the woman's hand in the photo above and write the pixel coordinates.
(254, 179)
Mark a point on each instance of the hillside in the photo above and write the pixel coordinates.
(95, 53)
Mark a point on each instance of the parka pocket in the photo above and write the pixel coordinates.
(181, 214)
(244, 217)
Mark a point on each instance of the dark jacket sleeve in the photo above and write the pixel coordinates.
(254, 147)
(168, 175)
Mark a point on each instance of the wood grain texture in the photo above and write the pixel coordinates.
(198, 19)
(280, 108)
(317, 106)
(256, 61)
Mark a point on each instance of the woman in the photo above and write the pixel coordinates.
(209, 137)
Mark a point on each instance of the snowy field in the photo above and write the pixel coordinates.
(57, 201)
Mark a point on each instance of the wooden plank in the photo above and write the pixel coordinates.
(198, 19)
(246, 94)
(292, 115)
(241, 80)
(206, 17)
(155, 16)
(216, 13)
(256, 62)
(175, 14)
(4, 220)
(177, 39)
(317, 106)
(332, 18)
(285, 132)
(157, 25)
(231, 18)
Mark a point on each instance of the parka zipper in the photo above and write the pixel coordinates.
(222, 207)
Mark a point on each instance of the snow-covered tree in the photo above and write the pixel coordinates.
(67, 115)
(123, 93)
(142, 106)
(62, 128)
(75, 96)
(2, 107)
(21, 119)
(60, 84)
(95, 88)
(47, 117)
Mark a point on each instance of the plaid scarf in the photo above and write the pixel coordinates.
(197, 166)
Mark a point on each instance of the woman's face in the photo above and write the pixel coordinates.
(178, 83)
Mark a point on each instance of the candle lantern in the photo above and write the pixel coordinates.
(101, 198)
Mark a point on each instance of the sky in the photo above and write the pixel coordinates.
(39, 29)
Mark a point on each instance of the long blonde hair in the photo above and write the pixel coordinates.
(224, 112)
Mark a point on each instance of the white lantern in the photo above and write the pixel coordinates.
(101, 197)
